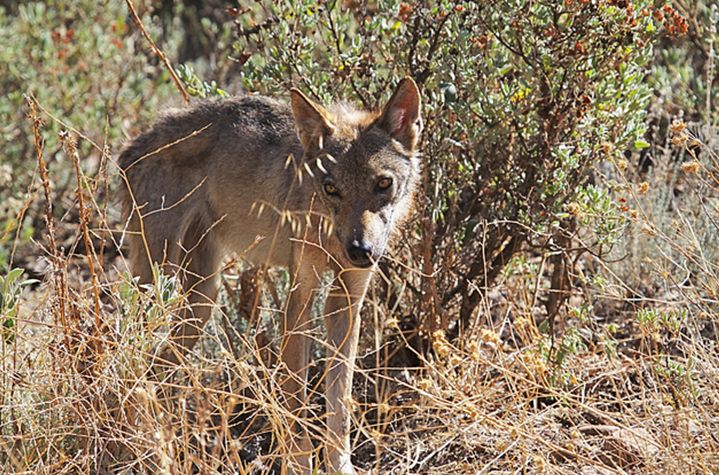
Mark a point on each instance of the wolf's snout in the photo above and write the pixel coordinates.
(360, 254)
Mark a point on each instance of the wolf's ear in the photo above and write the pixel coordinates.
(401, 116)
(313, 121)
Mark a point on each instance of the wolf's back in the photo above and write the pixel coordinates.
(186, 133)
(191, 137)
(176, 135)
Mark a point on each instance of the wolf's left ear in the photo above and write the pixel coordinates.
(401, 116)
(312, 120)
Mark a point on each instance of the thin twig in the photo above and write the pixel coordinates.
(70, 146)
(160, 54)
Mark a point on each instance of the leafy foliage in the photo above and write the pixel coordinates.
(517, 112)
(85, 69)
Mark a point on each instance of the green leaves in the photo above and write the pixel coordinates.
(10, 288)
(86, 67)
(196, 87)
(519, 99)
(640, 144)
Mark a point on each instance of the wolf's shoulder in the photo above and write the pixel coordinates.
(249, 115)
(246, 106)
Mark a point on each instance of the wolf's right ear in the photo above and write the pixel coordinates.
(401, 116)
(313, 121)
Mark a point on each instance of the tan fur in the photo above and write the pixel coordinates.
(252, 176)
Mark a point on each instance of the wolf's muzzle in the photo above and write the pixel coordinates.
(359, 254)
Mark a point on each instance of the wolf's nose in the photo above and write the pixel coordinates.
(359, 254)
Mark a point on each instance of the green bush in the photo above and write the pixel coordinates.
(522, 101)
(84, 66)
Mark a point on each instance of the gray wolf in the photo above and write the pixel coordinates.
(303, 186)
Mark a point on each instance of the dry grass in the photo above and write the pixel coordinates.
(627, 382)
(623, 379)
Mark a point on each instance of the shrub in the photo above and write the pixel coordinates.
(79, 60)
(522, 101)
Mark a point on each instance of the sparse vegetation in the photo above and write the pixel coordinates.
(551, 307)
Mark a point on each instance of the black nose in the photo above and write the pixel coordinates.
(359, 254)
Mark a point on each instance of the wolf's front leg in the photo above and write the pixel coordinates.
(342, 318)
(294, 353)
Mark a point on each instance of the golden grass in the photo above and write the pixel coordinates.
(634, 389)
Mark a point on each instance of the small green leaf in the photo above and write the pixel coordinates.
(13, 275)
(650, 26)
(640, 144)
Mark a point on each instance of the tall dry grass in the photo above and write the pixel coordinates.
(627, 383)
(623, 379)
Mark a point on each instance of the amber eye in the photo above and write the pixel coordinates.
(384, 183)
(331, 190)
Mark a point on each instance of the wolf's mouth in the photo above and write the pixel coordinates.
(358, 258)
(365, 264)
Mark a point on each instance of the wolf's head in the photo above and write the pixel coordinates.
(364, 165)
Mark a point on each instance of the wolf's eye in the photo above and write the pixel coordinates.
(331, 190)
(384, 183)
